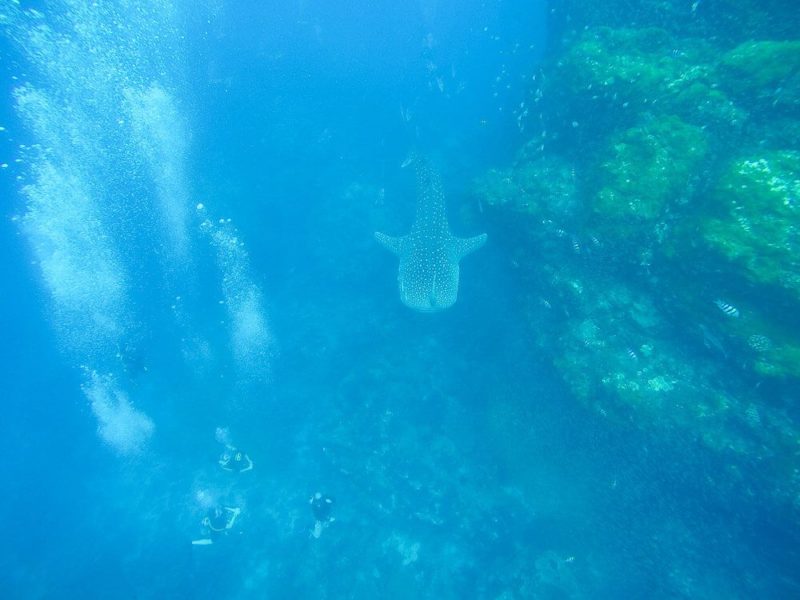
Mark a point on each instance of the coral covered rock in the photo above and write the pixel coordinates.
(655, 225)
(757, 225)
(649, 167)
(543, 186)
(634, 69)
(764, 70)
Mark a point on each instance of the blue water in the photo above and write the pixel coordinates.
(139, 330)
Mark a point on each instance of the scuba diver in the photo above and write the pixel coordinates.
(216, 523)
(235, 460)
(321, 508)
(232, 459)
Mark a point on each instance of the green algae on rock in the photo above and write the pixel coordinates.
(649, 167)
(538, 185)
(646, 376)
(631, 62)
(683, 152)
(781, 360)
(757, 226)
(631, 69)
(764, 69)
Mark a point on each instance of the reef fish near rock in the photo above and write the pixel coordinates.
(429, 254)
(728, 309)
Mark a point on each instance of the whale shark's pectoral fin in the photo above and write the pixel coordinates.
(394, 244)
(464, 246)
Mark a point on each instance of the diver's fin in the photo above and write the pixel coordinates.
(203, 542)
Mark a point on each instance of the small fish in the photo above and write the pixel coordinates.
(744, 222)
(632, 355)
(576, 245)
(728, 309)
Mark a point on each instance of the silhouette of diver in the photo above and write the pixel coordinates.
(218, 522)
(321, 508)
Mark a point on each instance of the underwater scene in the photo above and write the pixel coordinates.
(448, 299)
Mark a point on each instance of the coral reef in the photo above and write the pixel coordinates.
(650, 167)
(664, 195)
(622, 72)
(536, 184)
(764, 70)
(757, 202)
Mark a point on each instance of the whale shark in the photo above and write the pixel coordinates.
(429, 254)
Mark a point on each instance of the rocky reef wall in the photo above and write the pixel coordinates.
(655, 222)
